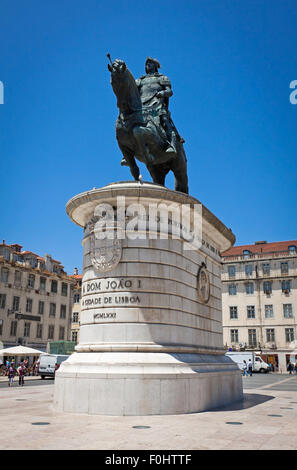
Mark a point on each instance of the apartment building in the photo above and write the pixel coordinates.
(259, 300)
(75, 319)
(35, 298)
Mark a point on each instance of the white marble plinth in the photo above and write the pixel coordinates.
(114, 383)
(151, 338)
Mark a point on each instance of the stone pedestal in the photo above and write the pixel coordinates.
(151, 339)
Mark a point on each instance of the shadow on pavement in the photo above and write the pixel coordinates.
(249, 400)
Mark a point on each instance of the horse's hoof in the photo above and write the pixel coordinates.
(124, 162)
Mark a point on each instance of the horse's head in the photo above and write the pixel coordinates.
(118, 67)
(118, 70)
(124, 86)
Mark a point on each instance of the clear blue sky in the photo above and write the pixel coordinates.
(230, 63)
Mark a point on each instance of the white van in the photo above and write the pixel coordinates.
(49, 363)
(258, 364)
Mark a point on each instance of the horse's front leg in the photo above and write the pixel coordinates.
(141, 136)
(129, 161)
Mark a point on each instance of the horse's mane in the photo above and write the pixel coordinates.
(127, 93)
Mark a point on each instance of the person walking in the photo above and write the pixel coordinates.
(290, 367)
(244, 369)
(21, 372)
(250, 367)
(36, 368)
(11, 374)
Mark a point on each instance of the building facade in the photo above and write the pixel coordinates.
(259, 300)
(35, 298)
(75, 318)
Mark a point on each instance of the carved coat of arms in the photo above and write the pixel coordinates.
(105, 252)
(203, 284)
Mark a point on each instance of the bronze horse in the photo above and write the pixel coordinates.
(139, 137)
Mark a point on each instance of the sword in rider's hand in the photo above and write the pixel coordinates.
(108, 56)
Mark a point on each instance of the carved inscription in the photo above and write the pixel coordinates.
(107, 300)
(111, 285)
(109, 295)
(102, 316)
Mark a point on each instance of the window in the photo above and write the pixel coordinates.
(284, 268)
(266, 268)
(76, 298)
(231, 271)
(61, 332)
(248, 269)
(29, 305)
(42, 284)
(232, 289)
(2, 300)
(13, 328)
(31, 281)
(234, 336)
(54, 287)
(252, 338)
(27, 330)
(64, 290)
(290, 336)
(269, 311)
(246, 254)
(4, 274)
(251, 313)
(1, 327)
(267, 287)
(52, 312)
(63, 311)
(75, 317)
(51, 331)
(288, 310)
(17, 278)
(270, 337)
(40, 307)
(292, 249)
(286, 286)
(74, 336)
(233, 313)
(249, 288)
(16, 304)
(39, 330)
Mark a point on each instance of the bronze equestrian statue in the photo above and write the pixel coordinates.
(144, 128)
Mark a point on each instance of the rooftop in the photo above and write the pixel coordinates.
(14, 253)
(262, 248)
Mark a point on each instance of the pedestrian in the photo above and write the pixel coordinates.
(36, 368)
(11, 374)
(295, 368)
(290, 367)
(244, 369)
(250, 367)
(21, 372)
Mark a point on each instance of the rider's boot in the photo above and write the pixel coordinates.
(172, 145)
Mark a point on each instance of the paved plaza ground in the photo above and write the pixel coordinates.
(265, 420)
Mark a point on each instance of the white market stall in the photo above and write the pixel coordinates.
(19, 351)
